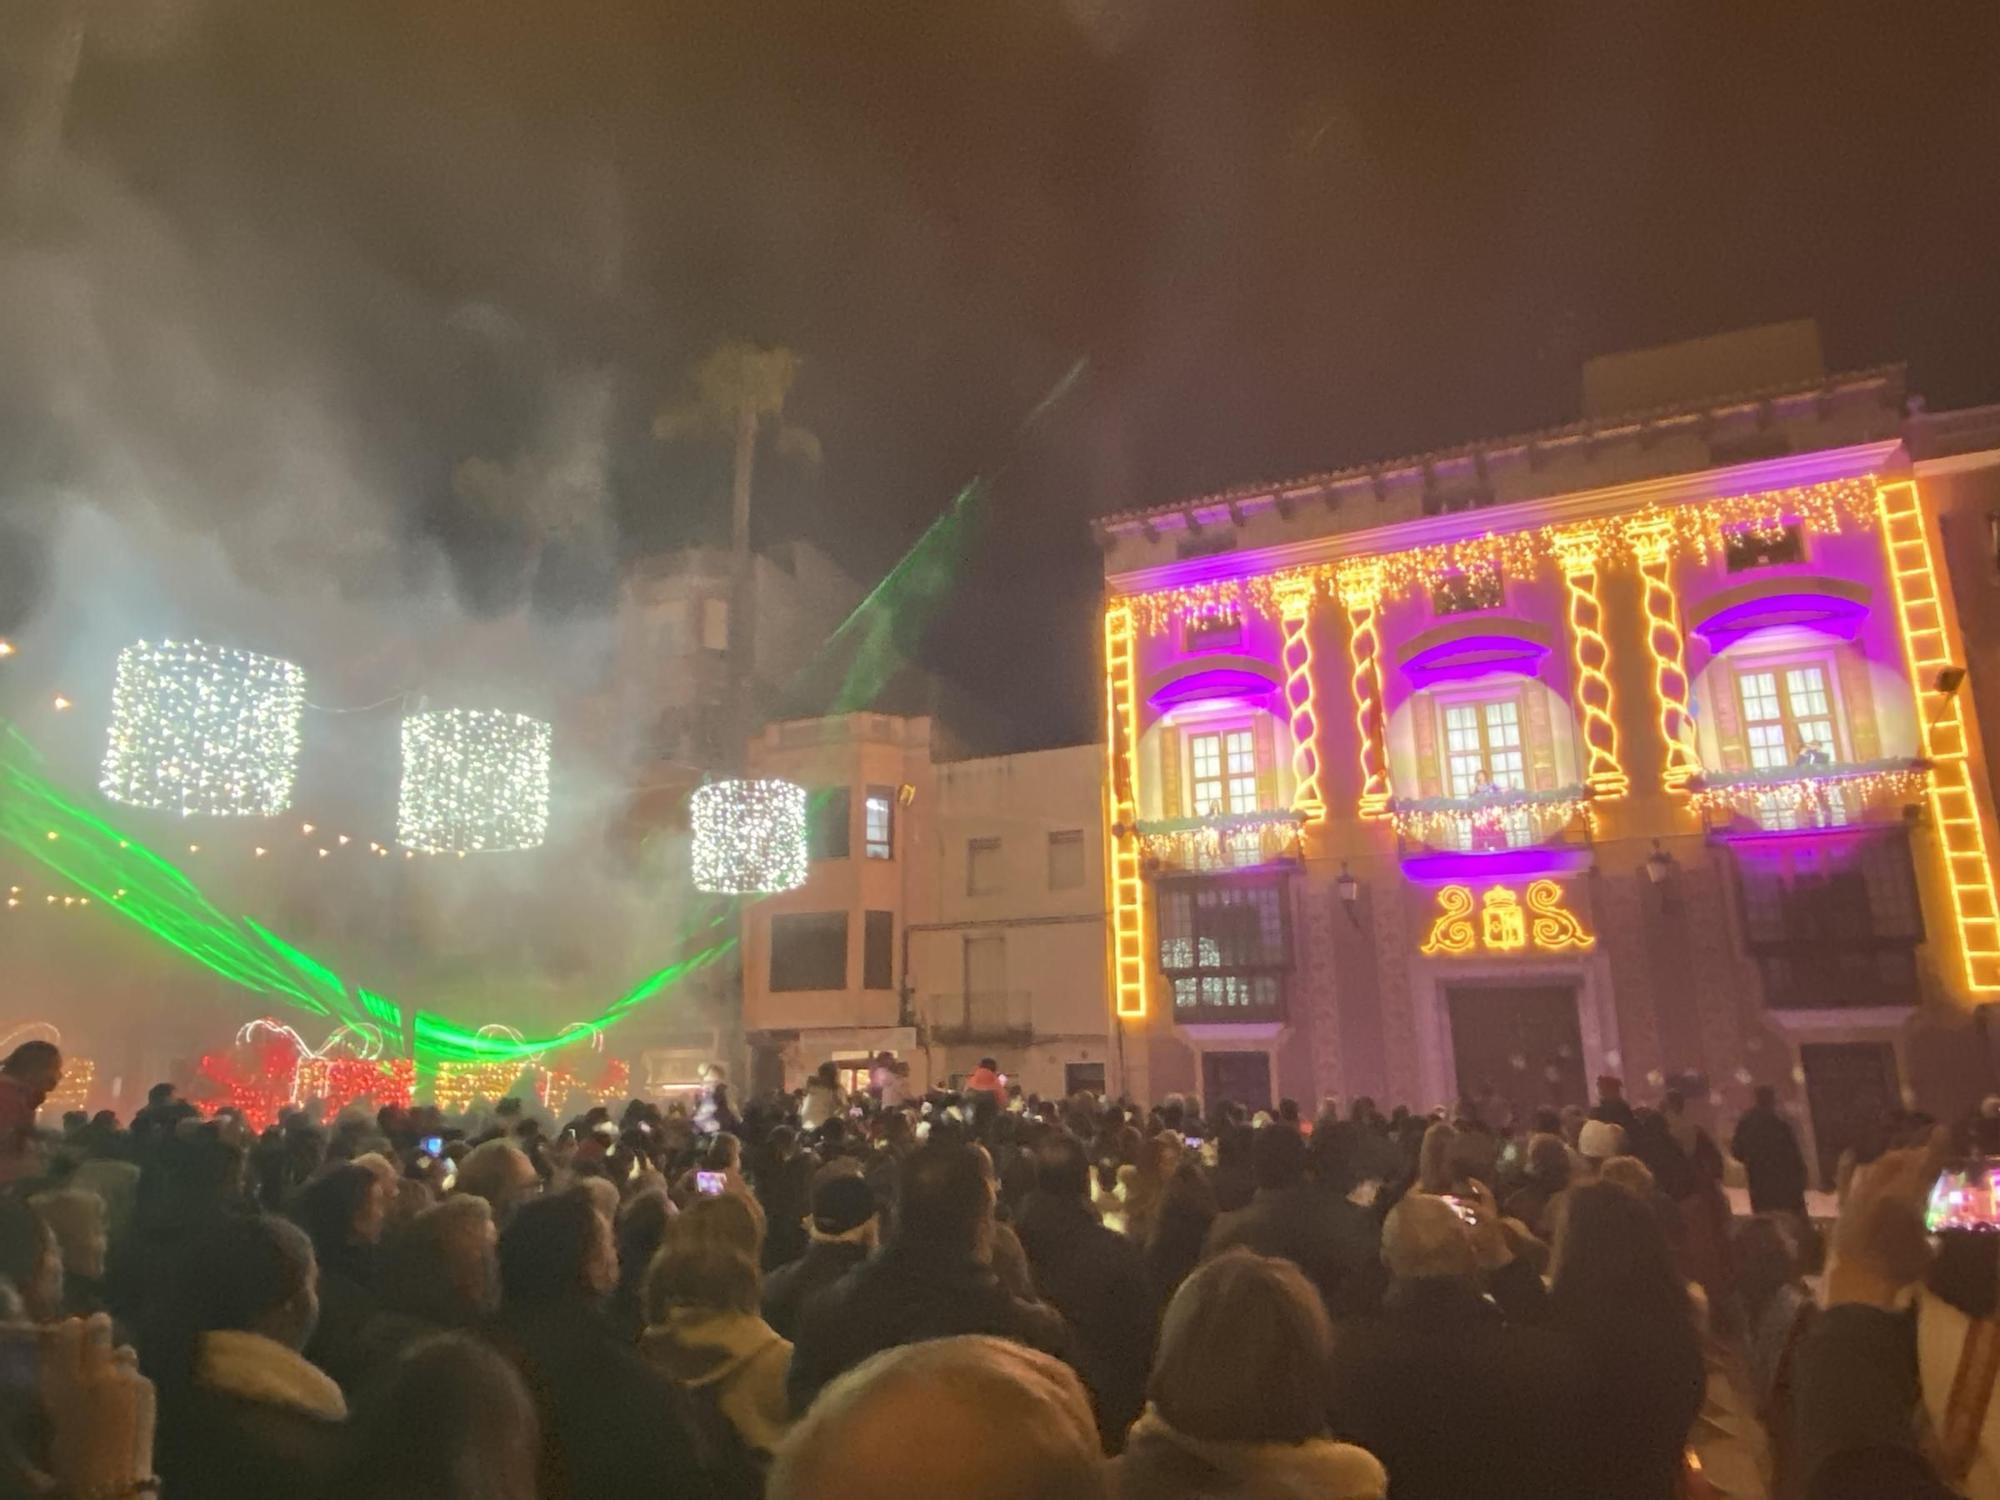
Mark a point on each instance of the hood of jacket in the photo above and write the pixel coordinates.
(1159, 1459)
(250, 1367)
(696, 1346)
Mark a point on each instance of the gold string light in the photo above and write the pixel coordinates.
(1698, 529)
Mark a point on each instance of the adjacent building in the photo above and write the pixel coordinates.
(1645, 745)
(954, 910)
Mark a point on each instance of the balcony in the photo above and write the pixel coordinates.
(1492, 824)
(1808, 797)
(998, 1017)
(1207, 999)
(1236, 841)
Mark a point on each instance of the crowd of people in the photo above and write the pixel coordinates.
(977, 1293)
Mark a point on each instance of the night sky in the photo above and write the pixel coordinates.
(274, 269)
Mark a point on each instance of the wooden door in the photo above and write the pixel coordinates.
(1851, 1090)
(1519, 1042)
(1241, 1077)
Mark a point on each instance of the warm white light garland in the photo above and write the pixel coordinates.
(475, 780)
(208, 729)
(749, 837)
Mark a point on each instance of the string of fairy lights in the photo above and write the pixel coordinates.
(1700, 531)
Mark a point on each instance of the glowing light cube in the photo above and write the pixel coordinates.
(207, 729)
(749, 837)
(475, 780)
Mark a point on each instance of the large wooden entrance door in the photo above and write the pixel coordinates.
(1519, 1042)
(1851, 1088)
(1240, 1077)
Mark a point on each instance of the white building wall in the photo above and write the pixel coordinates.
(1014, 969)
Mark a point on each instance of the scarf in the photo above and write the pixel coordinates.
(251, 1367)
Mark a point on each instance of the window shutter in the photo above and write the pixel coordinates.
(1857, 706)
(1540, 738)
(1430, 773)
(1173, 744)
(1263, 733)
(1729, 722)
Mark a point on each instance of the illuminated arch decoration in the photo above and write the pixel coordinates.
(1295, 598)
(1651, 540)
(1920, 611)
(1361, 587)
(1577, 549)
(1503, 925)
(1121, 851)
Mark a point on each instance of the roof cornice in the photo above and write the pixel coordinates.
(1820, 466)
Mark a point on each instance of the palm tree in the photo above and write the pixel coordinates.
(739, 392)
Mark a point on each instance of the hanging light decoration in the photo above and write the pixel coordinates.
(749, 837)
(475, 780)
(208, 729)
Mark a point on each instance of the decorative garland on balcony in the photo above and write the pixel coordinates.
(1204, 842)
(1427, 820)
(1698, 530)
(1804, 788)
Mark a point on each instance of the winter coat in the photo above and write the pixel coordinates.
(1335, 1243)
(260, 1421)
(1456, 1398)
(1096, 1279)
(787, 1289)
(738, 1355)
(903, 1294)
(1161, 1463)
(1771, 1159)
(612, 1424)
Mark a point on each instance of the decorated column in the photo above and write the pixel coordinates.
(1360, 586)
(1295, 600)
(1128, 895)
(1651, 538)
(1577, 550)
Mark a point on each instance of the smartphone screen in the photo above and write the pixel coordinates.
(431, 1145)
(20, 1361)
(709, 1184)
(1965, 1196)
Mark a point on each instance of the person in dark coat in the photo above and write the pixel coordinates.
(1620, 1305)
(1769, 1150)
(438, 1274)
(343, 1212)
(1097, 1279)
(844, 1227)
(1612, 1106)
(1334, 1242)
(611, 1424)
(243, 1415)
(1451, 1385)
(933, 1278)
(1187, 1210)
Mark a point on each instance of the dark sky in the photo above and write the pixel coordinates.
(279, 259)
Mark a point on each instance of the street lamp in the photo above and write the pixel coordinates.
(1659, 864)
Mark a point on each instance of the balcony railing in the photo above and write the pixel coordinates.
(1494, 822)
(1205, 999)
(1235, 841)
(1800, 798)
(998, 1016)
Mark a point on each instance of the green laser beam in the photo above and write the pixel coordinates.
(127, 878)
(884, 631)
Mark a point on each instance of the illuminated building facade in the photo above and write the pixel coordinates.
(1638, 746)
